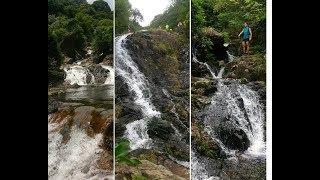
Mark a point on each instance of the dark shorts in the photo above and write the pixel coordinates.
(246, 40)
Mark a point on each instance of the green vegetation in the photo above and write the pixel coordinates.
(249, 68)
(74, 25)
(54, 59)
(140, 177)
(205, 150)
(177, 12)
(228, 18)
(121, 152)
(165, 56)
(126, 16)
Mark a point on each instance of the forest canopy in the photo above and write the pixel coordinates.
(228, 18)
(177, 12)
(126, 16)
(74, 25)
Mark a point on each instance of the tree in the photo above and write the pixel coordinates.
(122, 14)
(228, 17)
(101, 5)
(74, 25)
(103, 39)
(136, 15)
(177, 12)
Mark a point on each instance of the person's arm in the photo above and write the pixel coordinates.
(240, 33)
(250, 38)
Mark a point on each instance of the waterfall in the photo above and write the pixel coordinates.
(241, 106)
(230, 56)
(220, 73)
(225, 102)
(207, 65)
(110, 78)
(256, 116)
(81, 75)
(200, 168)
(137, 135)
(127, 69)
(78, 75)
(75, 159)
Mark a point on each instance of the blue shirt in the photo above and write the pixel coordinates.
(246, 33)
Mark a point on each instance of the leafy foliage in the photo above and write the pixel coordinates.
(140, 177)
(74, 25)
(177, 12)
(121, 153)
(126, 16)
(228, 18)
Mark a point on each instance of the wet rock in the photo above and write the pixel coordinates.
(203, 86)
(147, 170)
(121, 88)
(234, 139)
(161, 159)
(251, 68)
(158, 128)
(100, 73)
(200, 70)
(53, 105)
(245, 168)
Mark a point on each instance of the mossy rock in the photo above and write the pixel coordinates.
(251, 68)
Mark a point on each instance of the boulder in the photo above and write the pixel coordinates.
(234, 138)
(161, 159)
(100, 73)
(160, 129)
(250, 67)
(53, 105)
(146, 170)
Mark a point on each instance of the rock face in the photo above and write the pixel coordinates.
(53, 105)
(200, 70)
(250, 68)
(100, 74)
(234, 139)
(146, 170)
(164, 60)
(220, 118)
(158, 128)
(211, 52)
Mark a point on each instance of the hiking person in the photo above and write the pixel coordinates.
(180, 26)
(129, 29)
(247, 37)
(167, 27)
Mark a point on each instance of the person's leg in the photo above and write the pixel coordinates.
(244, 47)
(248, 46)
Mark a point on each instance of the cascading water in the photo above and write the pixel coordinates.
(225, 103)
(230, 56)
(241, 107)
(256, 116)
(205, 64)
(78, 75)
(110, 78)
(81, 75)
(200, 168)
(75, 159)
(126, 68)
